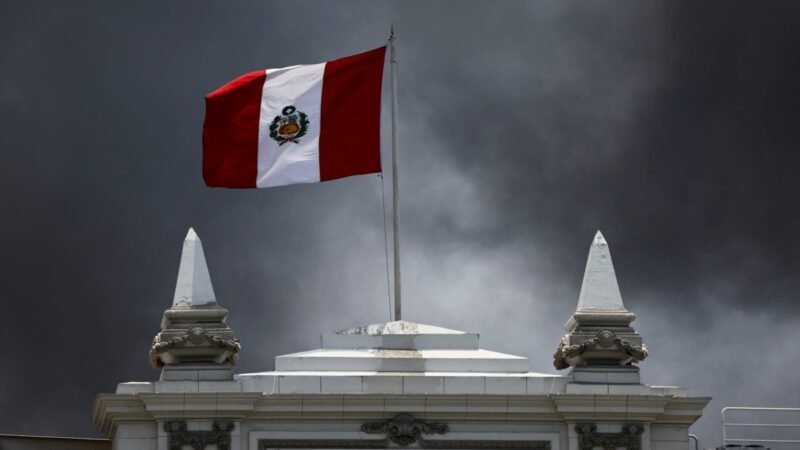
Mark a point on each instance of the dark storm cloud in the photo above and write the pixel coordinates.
(523, 128)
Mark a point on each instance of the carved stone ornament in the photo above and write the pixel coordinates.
(193, 337)
(630, 438)
(403, 429)
(179, 436)
(603, 339)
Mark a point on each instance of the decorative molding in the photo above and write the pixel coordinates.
(179, 436)
(558, 357)
(196, 336)
(639, 353)
(630, 438)
(604, 339)
(403, 429)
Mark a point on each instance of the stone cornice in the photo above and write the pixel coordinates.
(109, 409)
(222, 404)
(684, 410)
(639, 408)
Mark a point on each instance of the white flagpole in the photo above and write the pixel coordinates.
(395, 193)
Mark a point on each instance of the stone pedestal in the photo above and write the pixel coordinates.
(196, 372)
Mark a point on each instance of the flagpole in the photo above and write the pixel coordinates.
(395, 193)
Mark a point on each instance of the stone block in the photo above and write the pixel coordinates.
(449, 405)
(131, 430)
(505, 385)
(199, 425)
(587, 389)
(174, 387)
(423, 385)
(589, 376)
(529, 405)
(628, 389)
(297, 384)
(405, 403)
(219, 386)
(341, 385)
(209, 372)
(572, 443)
(136, 444)
(623, 378)
(487, 404)
(281, 404)
(267, 384)
(216, 374)
(464, 385)
(383, 385)
(178, 373)
(674, 391)
(669, 445)
(545, 385)
(135, 388)
(328, 406)
(537, 385)
(674, 433)
(363, 403)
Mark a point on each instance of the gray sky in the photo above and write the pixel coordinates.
(524, 127)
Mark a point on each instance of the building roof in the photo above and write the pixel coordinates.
(395, 357)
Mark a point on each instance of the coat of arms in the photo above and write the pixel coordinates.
(289, 126)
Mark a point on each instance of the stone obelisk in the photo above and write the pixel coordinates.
(194, 342)
(600, 344)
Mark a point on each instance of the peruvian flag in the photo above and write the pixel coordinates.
(299, 124)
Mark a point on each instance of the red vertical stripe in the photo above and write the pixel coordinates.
(350, 140)
(230, 132)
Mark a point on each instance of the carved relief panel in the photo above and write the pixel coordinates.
(629, 438)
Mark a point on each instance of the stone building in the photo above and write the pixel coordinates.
(397, 385)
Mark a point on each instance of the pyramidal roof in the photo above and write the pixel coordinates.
(400, 347)
(600, 290)
(398, 327)
(194, 283)
(400, 357)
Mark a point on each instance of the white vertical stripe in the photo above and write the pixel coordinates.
(292, 162)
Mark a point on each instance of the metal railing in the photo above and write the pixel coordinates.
(762, 426)
(696, 442)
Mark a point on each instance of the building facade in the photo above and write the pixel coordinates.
(397, 385)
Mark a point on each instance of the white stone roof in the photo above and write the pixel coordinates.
(391, 360)
(398, 356)
(401, 346)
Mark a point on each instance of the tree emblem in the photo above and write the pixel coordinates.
(289, 126)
